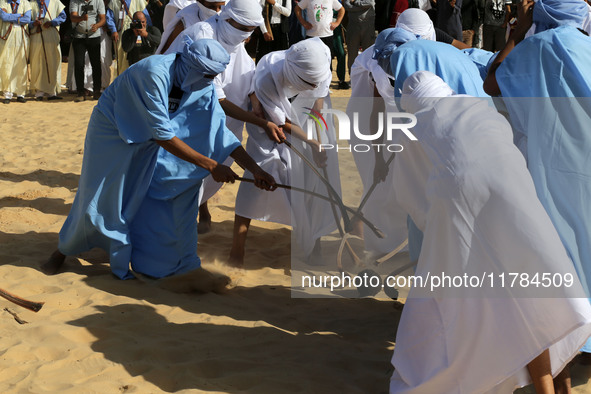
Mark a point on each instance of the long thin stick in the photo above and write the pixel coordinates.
(372, 188)
(44, 53)
(33, 306)
(369, 224)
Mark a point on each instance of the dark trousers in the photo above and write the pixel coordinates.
(279, 43)
(493, 38)
(93, 46)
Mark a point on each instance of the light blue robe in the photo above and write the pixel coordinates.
(443, 60)
(164, 232)
(448, 63)
(119, 160)
(555, 63)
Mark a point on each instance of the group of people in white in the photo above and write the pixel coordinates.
(162, 137)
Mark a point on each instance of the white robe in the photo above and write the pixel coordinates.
(14, 52)
(46, 54)
(480, 214)
(172, 8)
(189, 15)
(310, 217)
(380, 208)
(234, 84)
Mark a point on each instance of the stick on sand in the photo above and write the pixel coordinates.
(30, 305)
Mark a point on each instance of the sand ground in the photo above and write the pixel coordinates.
(99, 334)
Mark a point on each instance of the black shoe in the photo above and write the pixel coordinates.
(21, 100)
(51, 98)
(6, 101)
(40, 98)
(80, 98)
(96, 96)
(344, 85)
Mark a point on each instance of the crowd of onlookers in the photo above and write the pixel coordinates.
(99, 39)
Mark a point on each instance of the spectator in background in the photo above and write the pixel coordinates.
(155, 9)
(338, 51)
(360, 28)
(87, 16)
(319, 19)
(45, 55)
(276, 14)
(399, 7)
(496, 16)
(15, 15)
(123, 11)
(140, 40)
(449, 17)
(470, 21)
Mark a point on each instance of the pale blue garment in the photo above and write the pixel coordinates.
(448, 63)
(539, 80)
(119, 158)
(481, 59)
(443, 60)
(164, 232)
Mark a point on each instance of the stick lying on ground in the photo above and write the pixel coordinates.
(33, 306)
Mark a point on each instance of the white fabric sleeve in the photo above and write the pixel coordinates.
(336, 5)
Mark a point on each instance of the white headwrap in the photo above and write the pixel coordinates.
(307, 61)
(417, 22)
(245, 12)
(421, 90)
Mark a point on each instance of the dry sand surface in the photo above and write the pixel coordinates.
(99, 334)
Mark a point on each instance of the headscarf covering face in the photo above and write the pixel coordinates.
(244, 12)
(549, 14)
(421, 90)
(199, 58)
(417, 22)
(387, 42)
(307, 64)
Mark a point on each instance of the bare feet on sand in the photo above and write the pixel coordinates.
(204, 224)
(196, 281)
(53, 265)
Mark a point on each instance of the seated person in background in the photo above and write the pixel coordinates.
(140, 40)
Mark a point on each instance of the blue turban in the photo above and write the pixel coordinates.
(387, 42)
(199, 58)
(549, 14)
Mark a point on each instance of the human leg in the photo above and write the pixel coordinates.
(241, 225)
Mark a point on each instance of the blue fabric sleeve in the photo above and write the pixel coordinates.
(110, 21)
(148, 18)
(26, 18)
(61, 18)
(8, 17)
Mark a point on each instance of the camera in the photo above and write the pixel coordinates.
(135, 24)
(86, 8)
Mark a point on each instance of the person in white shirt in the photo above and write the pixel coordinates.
(275, 29)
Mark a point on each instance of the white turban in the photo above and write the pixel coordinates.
(421, 90)
(245, 12)
(417, 22)
(306, 63)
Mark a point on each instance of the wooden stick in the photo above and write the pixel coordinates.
(30, 305)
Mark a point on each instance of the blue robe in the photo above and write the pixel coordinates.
(448, 63)
(119, 160)
(443, 60)
(555, 63)
(164, 232)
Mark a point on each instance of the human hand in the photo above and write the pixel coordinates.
(115, 36)
(307, 25)
(85, 17)
(525, 11)
(272, 2)
(333, 25)
(93, 28)
(37, 23)
(274, 132)
(47, 25)
(264, 180)
(267, 37)
(223, 173)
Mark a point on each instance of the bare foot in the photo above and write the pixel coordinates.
(53, 265)
(204, 225)
(196, 281)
